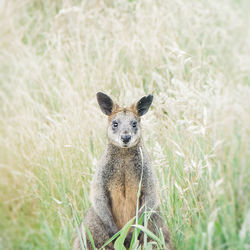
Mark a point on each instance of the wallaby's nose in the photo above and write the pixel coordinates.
(126, 138)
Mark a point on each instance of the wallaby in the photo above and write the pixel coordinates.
(123, 166)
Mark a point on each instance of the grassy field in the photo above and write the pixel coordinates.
(193, 56)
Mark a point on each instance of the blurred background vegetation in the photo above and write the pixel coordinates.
(193, 56)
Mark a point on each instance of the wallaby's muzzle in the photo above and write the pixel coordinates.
(126, 138)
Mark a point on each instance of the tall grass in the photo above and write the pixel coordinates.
(193, 56)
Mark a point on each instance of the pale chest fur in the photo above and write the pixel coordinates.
(123, 193)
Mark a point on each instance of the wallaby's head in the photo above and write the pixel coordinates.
(124, 128)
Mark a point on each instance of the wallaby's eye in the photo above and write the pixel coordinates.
(134, 124)
(115, 124)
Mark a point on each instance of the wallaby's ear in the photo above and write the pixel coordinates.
(143, 105)
(105, 102)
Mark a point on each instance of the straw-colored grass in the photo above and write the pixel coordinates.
(193, 56)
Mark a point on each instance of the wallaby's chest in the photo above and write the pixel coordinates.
(123, 190)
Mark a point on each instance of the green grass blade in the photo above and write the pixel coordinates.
(120, 241)
(149, 233)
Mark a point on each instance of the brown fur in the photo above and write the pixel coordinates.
(118, 109)
(123, 199)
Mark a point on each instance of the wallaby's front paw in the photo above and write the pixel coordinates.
(128, 240)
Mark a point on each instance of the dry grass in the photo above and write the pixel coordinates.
(192, 55)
